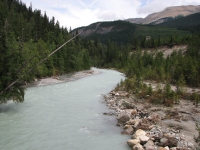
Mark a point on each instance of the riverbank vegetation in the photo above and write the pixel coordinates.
(180, 68)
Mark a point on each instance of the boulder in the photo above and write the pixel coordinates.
(131, 122)
(141, 135)
(151, 127)
(172, 142)
(134, 112)
(150, 148)
(138, 147)
(123, 118)
(149, 143)
(140, 132)
(163, 141)
(128, 129)
(166, 147)
(143, 139)
(134, 122)
(133, 142)
(137, 122)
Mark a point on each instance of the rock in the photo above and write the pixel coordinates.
(131, 122)
(134, 122)
(123, 118)
(163, 141)
(123, 94)
(149, 144)
(169, 135)
(127, 105)
(133, 142)
(109, 113)
(173, 148)
(138, 147)
(166, 147)
(128, 129)
(143, 139)
(116, 94)
(172, 142)
(134, 112)
(113, 92)
(140, 132)
(137, 122)
(151, 127)
(150, 148)
(144, 126)
(161, 148)
(190, 145)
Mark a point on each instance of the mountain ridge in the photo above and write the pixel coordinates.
(169, 12)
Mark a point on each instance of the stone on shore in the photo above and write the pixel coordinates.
(163, 148)
(123, 118)
(163, 141)
(132, 143)
(138, 147)
(128, 129)
(149, 145)
(143, 139)
(140, 132)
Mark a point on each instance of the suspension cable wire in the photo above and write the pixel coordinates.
(31, 69)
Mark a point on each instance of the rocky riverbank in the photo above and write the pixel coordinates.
(155, 127)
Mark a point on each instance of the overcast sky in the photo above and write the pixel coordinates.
(77, 13)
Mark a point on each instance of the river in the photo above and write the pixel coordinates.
(64, 116)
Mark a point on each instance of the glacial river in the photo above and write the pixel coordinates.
(64, 116)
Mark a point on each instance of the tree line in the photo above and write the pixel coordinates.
(27, 37)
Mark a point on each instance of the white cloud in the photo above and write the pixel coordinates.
(122, 9)
(76, 13)
(107, 15)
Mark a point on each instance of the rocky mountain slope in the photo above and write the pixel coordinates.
(124, 32)
(168, 13)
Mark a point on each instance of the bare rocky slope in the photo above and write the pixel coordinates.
(169, 12)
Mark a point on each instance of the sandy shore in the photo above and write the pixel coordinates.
(62, 78)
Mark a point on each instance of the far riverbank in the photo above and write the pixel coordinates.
(62, 78)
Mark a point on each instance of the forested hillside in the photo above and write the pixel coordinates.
(190, 23)
(27, 37)
(123, 32)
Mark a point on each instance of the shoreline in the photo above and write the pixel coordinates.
(155, 127)
(62, 78)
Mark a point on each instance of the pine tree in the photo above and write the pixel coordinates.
(11, 60)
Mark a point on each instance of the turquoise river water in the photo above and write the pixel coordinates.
(64, 116)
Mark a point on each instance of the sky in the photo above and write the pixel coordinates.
(77, 13)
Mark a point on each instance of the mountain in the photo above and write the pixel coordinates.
(167, 14)
(124, 31)
(179, 20)
(113, 30)
(191, 23)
